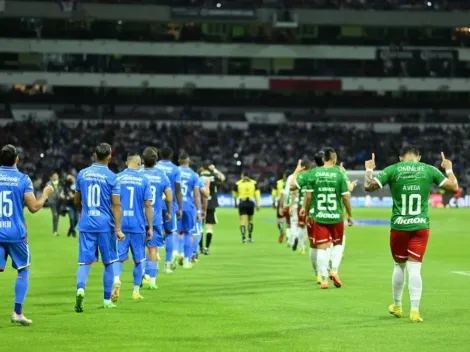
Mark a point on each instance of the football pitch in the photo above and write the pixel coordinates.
(254, 297)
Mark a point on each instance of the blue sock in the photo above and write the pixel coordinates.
(197, 239)
(181, 243)
(169, 248)
(147, 266)
(138, 273)
(152, 272)
(117, 269)
(82, 275)
(188, 246)
(21, 289)
(108, 278)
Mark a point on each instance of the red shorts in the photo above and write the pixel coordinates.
(410, 244)
(328, 232)
(311, 232)
(287, 215)
(301, 219)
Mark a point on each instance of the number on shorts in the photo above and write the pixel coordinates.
(410, 204)
(6, 204)
(94, 196)
(326, 202)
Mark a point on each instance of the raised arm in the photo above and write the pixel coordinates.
(217, 173)
(370, 184)
(34, 204)
(450, 183)
(293, 179)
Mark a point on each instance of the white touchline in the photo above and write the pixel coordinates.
(464, 273)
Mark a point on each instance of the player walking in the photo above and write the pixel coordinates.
(16, 191)
(244, 192)
(136, 200)
(277, 193)
(410, 182)
(98, 200)
(204, 185)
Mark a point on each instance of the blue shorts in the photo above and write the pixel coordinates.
(18, 252)
(136, 243)
(169, 226)
(157, 240)
(93, 244)
(187, 222)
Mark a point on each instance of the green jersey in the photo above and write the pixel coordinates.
(328, 186)
(410, 184)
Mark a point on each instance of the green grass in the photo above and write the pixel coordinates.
(258, 297)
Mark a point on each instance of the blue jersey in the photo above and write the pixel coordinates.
(189, 180)
(202, 186)
(135, 190)
(159, 182)
(173, 173)
(13, 186)
(97, 184)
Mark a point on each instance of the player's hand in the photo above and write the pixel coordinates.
(341, 167)
(274, 205)
(179, 214)
(48, 190)
(211, 167)
(281, 211)
(446, 163)
(370, 164)
(302, 212)
(350, 221)
(149, 234)
(198, 217)
(203, 215)
(168, 216)
(257, 208)
(299, 167)
(352, 185)
(120, 235)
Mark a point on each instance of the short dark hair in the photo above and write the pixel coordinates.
(319, 158)
(328, 153)
(150, 156)
(8, 155)
(245, 174)
(166, 153)
(306, 163)
(184, 157)
(409, 149)
(102, 151)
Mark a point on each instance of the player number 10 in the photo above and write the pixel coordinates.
(94, 196)
(6, 204)
(410, 204)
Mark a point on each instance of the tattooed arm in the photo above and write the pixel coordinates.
(370, 184)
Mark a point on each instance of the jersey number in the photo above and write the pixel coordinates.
(410, 204)
(184, 188)
(6, 204)
(94, 196)
(153, 190)
(131, 197)
(326, 202)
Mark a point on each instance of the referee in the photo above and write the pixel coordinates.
(244, 192)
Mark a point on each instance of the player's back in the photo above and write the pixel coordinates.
(410, 184)
(158, 183)
(189, 180)
(213, 188)
(246, 189)
(13, 186)
(135, 189)
(97, 184)
(173, 174)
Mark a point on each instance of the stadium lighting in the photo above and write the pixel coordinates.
(235, 155)
(218, 5)
(42, 155)
(239, 163)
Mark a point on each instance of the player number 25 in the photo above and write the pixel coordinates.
(410, 204)
(326, 202)
(6, 204)
(94, 196)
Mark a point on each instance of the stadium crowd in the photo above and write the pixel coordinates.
(262, 150)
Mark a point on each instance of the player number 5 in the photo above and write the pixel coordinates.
(6, 204)
(410, 203)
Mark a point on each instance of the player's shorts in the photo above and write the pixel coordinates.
(211, 218)
(157, 239)
(171, 225)
(187, 222)
(91, 244)
(408, 244)
(311, 232)
(135, 241)
(18, 252)
(301, 219)
(246, 207)
(328, 232)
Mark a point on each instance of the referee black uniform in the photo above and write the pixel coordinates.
(244, 193)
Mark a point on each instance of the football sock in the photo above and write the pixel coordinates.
(188, 246)
(108, 276)
(398, 282)
(136, 289)
(117, 269)
(344, 242)
(313, 258)
(302, 234)
(196, 243)
(147, 261)
(415, 283)
(336, 256)
(243, 231)
(250, 230)
(169, 248)
(82, 275)
(281, 229)
(21, 289)
(153, 269)
(208, 239)
(138, 273)
(323, 256)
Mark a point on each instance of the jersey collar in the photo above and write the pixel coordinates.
(9, 168)
(99, 165)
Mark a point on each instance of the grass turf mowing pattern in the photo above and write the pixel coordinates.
(253, 297)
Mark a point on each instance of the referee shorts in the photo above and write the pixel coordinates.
(246, 207)
(211, 218)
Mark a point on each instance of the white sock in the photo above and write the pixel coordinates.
(415, 284)
(398, 282)
(344, 241)
(106, 301)
(289, 235)
(117, 279)
(136, 289)
(313, 259)
(302, 237)
(336, 256)
(153, 280)
(323, 256)
(147, 277)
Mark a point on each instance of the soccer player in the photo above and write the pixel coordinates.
(198, 229)
(136, 200)
(98, 200)
(215, 177)
(330, 192)
(16, 191)
(410, 182)
(173, 173)
(277, 193)
(191, 207)
(244, 192)
(160, 188)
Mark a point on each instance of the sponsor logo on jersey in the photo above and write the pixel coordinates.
(402, 221)
(321, 215)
